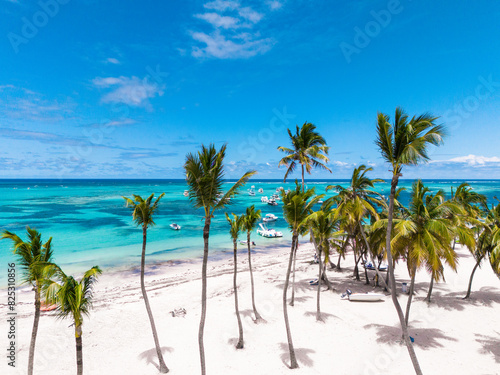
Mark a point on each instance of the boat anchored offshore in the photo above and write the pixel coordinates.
(363, 297)
(251, 191)
(268, 233)
(186, 193)
(261, 190)
(272, 202)
(175, 226)
(269, 217)
(264, 199)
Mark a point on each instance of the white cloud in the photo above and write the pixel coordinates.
(131, 91)
(222, 5)
(274, 5)
(216, 20)
(225, 42)
(250, 14)
(474, 160)
(218, 46)
(112, 60)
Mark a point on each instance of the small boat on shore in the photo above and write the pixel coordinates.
(245, 242)
(363, 297)
(175, 226)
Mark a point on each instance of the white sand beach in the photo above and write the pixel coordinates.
(452, 336)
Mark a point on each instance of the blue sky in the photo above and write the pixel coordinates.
(103, 89)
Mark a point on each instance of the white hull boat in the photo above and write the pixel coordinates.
(261, 190)
(175, 226)
(269, 217)
(363, 297)
(268, 233)
(264, 199)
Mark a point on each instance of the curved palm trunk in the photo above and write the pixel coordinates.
(431, 285)
(342, 251)
(320, 267)
(163, 366)
(256, 313)
(392, 280)
(303, 178)
(367, 280)
(379, 276)
(472, 276)
(206, 233)
(292, 300)
(79, 349)
(410, 296)
(239, 345)
(293, 359)
(34, 331)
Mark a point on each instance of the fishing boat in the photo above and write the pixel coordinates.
(268, 233)
(269, 217)
(175, 226)
(363, 297)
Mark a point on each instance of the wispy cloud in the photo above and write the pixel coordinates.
(274, 4)
(226, 41)
(112, 60)
(471, 160)
(146, 155)
(131, 91)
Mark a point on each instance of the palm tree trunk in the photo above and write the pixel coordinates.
(318, 309)
(206, 233)
(367, 281)
(379, 276)
(410, 296)
(431, 285)
(258, 318)
(34, 331)
(239, 345)
(303, 178)
(356, 268)
(342, 251)
(163, 366)
(292, 300)
(79, 349)
(472, 276)
(323, 273)
(293, 359)
(392, 280)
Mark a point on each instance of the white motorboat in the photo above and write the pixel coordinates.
(268, 233)
(251, 191)
(246, 242)
(175, 226)
(269, 217)
(264, 199)
(272, 202)
(261, 190)
(363, 297)
(276, 197)
(186, 193)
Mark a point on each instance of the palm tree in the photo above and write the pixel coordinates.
(235, 225)
(142, 214)
(205, 177)
(32, 255)
(404, 143)
(425, 235)
(297, 205)
(355, 203)
(308, 149)
(249, 221)
(73, 298)
(325, 227)
(488, 244)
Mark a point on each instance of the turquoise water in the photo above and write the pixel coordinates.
(90, 224)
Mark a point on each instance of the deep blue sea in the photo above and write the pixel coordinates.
(90, 224)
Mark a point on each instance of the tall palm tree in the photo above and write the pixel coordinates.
(425, 234)
(325, 227)
(235, 225)
(249, 221)
(74, 299)
(32, 256)
(356, 203)
(142, 214)
(205, 178)
(403, 143)
(488, 244)
(297, 205)
(309, 149)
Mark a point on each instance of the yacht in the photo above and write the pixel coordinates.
(272, 202)
(175, 226)
(269, 217)
(264, 199)
(251, 191)
(268, 233)
(261, 190)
